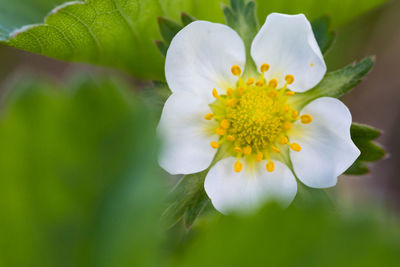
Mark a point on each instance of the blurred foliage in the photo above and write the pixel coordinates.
(78, 179)
(86, 31)
(301, 236)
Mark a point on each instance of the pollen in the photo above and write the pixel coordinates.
(214, 144)
(273, 83)
(215, 93)
(270, 166)
(255, 117)
(306, 119)
(236, 70)
(264, 67)
(296, 147)
(289, 78)
(238, 166)
(209, 116)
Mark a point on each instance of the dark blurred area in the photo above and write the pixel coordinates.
(374, 101)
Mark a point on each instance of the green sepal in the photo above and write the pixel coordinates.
(324, 36)
(162, 47)
(363, 136)
(168, 29)
(187, 19)
(335, 84)
(242, 17)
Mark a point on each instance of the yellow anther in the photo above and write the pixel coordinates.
(275, 149)
(247, 150)
(272, 94)
(306, 118)
(287, 108)
(290, 93)
(264, 67)
(289, 78)
(270, 166)
(240, 90)
(209, 116)
(229, 92)
(295, 113)
(237, 149)
(220, 131)
(284, 140)
(260, 83)
(231, 102)
(273, 83)
(225, 124)
(215, 93)
(214, 144)
(236, 70)
(259, 156)
(230, 138)
(287, 126)
(238, 166)
(296, 147)
(250, 81)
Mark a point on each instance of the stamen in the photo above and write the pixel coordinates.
(231, 102)
(237, 149)
(273, 83)
(220, 131)
(264, 67)
(247, 150)
(260, 83)
(215, 93)
(306, 119)
(229, 92)
(238, 166)
(296, 147)
(287, 126)
(236, 70)
(214, 144)
(259, 156)
(284, 140)
(270, 166)
(289, 78)
(209, 116)
(275, 149)
(240, 90)
(250, 81)
(290, 93)
(230, 138)
(225, 124)
(295, 113)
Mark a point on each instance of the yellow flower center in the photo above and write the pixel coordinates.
(254, 118)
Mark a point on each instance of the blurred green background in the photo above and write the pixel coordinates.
(80, 186)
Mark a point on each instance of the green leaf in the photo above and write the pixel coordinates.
(363, 136)
(187, 19)
(336, 83)
(341, 12)
(114, 33)
(310, 235)
(323, 35)
(78, 175)
(188, 196)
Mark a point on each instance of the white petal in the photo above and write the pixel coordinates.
(288, 45)
(327, 149)
(201, 56)
(186, 147)
(249, 189)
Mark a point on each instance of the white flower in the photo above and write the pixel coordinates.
(250, 116)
